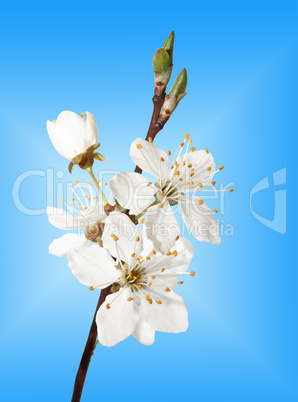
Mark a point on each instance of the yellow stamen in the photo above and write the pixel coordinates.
(137, 238)
(169, 253)
(190, 140)
(77, 181)
(175, 253)
(116, 266)
(230, 190)
(169, 152)
(133, 254)
(200, 185)
(91, 288)
(153, 276)
(213, 183)
(142, 220)
(107, 305)
(201, 202)
(148, 258)
(153, 252)
(54, 121)
(186, 136)
(130, 299)
(192, 149)
(192, 273)
(147, 297)
(209, 169)
(180, 282)
(158, 301)
(139, 146)
(167, 289)
(150, 140)
(214, 211)
(163, 270)
(177, 237)
(162, 159)
(221, 167)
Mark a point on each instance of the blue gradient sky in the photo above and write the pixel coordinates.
(241, 58)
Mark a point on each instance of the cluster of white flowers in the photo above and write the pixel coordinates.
(140, 264)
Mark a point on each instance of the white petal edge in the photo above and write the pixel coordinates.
(132, 191)
(66, 243)
(93, 266)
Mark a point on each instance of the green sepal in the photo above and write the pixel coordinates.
(99, 157)
(86, 159)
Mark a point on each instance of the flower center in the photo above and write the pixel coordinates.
(168, 190)
(133, 277)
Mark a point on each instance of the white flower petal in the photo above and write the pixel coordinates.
(91, 130)
(61, 219)
(65, 221)
(93, 266)
(132, 192)
(144, 333)
(150, 158)
(73, 131)
(177, 262)
(93, 214)
(119, 321)
(66, 243)
(170, 316)
(127, 232)
(204, 168)
(200, 220)
(60, 143)
(162, 226)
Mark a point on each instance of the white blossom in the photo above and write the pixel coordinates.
(72, 134)
(143, 299)
(188, 173)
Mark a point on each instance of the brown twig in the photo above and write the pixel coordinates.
(154, 126)
(88, 352)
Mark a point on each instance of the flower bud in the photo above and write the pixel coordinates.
(163, 64)
(161, 61)
(174, 97)
(179, 86)
(169, 45)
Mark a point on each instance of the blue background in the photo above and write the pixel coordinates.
(241, 59)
